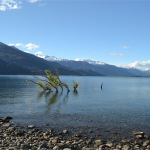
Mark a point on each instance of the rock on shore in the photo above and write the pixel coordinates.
(13, 138)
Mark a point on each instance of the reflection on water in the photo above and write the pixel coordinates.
(75, 94)
(121, 101)
(41, 94)
(52, 99)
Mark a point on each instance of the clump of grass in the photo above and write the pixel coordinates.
(75, 85)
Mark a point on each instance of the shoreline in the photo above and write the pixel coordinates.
(13, 137)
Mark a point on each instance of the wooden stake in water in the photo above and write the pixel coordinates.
(101, 85)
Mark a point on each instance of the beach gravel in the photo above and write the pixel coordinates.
(14, 138)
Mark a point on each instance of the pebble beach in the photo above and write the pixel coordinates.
(15, 137)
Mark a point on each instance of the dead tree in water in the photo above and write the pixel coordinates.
(40, 85)
(49, 85)
(60, 82)
(51, 82)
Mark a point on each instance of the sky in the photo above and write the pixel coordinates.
(115, 32)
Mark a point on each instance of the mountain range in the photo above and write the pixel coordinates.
(53, 58)
(36, 65)
(26, 63)
(97, 66)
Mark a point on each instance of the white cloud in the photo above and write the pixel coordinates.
(41, 5)
(11, 44)
(31, 46)
(33, 1)
(114, 54)
(144, 65)
(9, 4)
(19, 44)
(39, 54)
(27, 51)
(3, 8)
(124, 47)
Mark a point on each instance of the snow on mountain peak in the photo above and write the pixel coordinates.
(90, 61)
(53, 58)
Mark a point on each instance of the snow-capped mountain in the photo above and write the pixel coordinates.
(95, 65)
(90, 61)
(53, 58)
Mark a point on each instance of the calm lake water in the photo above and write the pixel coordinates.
(122, 105)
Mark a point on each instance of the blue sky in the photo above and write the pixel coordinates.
(116, 32)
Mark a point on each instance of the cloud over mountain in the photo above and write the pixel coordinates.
(31, 46)
(19, 44)
(39, 54)
(144, 65)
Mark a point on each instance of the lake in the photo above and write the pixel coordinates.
(123, 105)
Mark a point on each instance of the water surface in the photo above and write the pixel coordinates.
(122, 105)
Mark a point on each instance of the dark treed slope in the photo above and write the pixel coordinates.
(12, 69)
(36, 64)
(79, 72)
(26, 60)
(103, 69)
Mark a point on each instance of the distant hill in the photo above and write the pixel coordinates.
(13, 55)
(97, 66)
(94, 65)
(35, 64)
(147, 72)
(53, 58)
(103, 69)
(138, 72)
(78, 72)
(26, 60)
(12, 69)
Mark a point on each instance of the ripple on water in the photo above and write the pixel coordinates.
(121, 106)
